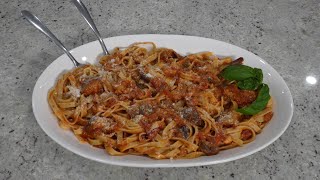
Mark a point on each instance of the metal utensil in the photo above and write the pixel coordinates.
(35, 21)
(85, 14)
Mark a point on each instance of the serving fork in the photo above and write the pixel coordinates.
(35, 21)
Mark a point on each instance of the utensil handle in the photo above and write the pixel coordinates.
(85, 14)
(35, 21)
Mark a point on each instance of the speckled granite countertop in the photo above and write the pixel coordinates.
(284, 33)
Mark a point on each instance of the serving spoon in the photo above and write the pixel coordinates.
(85, 14)
(35, 21)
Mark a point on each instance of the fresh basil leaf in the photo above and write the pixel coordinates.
(249, 84)
(258, 74)
(259, 104)
(237, 72)
(249, 78)
(252, 83)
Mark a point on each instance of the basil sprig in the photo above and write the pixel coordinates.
(259, 104)
(248, 78)
(237, 72)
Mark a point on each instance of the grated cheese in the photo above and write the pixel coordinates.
(157, 69)
(149, 75)
(102, 72)
(137, 118)
(112, 61)
(75, 92)
(106, 123)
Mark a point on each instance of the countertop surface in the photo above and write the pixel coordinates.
(284, 33)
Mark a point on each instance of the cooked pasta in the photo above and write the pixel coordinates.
(144, 100)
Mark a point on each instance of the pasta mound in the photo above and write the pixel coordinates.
(145, 100)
